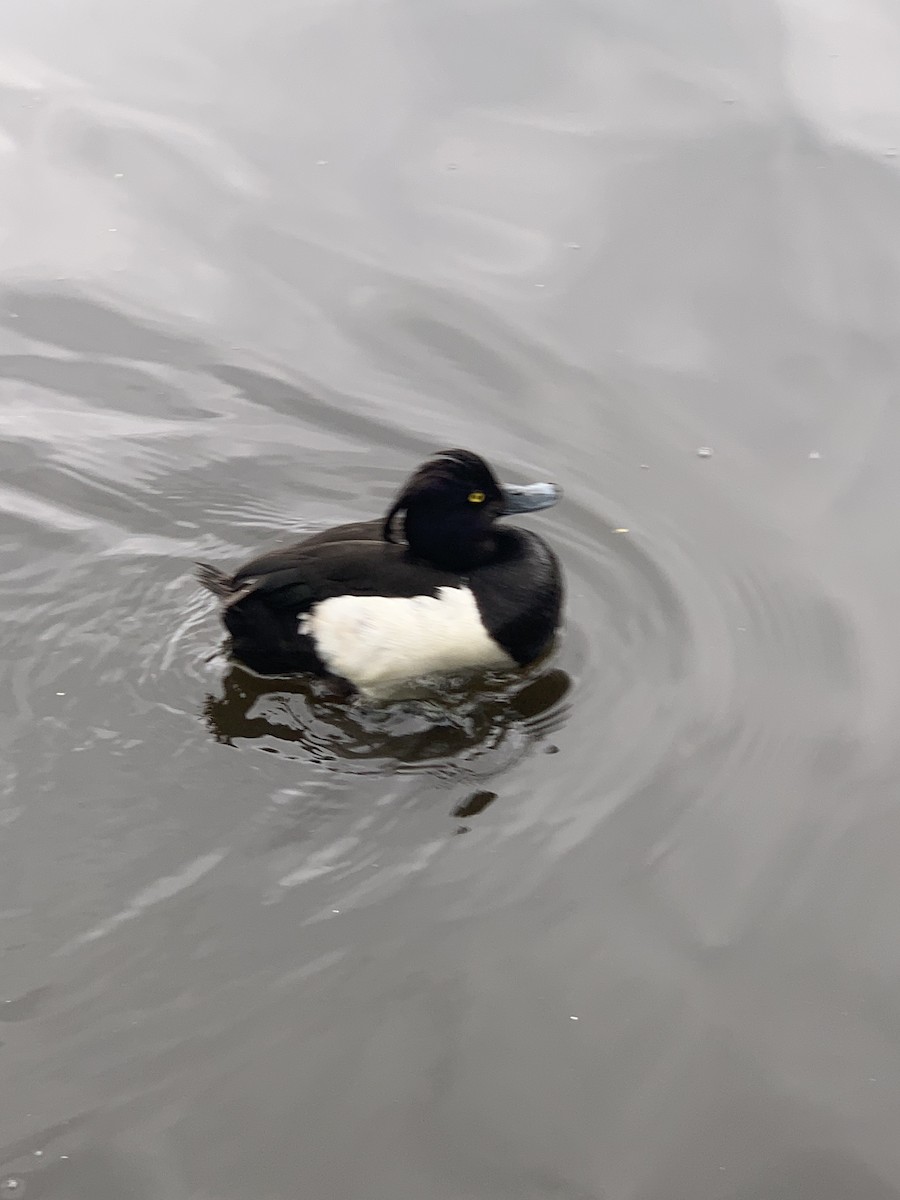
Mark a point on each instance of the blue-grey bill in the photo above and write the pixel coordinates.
(529, 497)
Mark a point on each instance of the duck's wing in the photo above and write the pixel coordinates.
(300, 576)
(355, 531)
(284, 557)
(227, 586)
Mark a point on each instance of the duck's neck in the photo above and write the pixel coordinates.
(449, 545)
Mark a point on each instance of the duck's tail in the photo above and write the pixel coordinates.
(214, 580)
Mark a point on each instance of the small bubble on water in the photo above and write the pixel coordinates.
(814, 454)
(572, 245)
(119, 175)
(321, 162)
(573, 1018)
(38, 1154)
(891, 153)
(622, 529)
(540, 285)
(704, 451)
(60, 693)
(645, 466)
(11, 1186)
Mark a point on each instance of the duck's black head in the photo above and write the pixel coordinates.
(449, 507)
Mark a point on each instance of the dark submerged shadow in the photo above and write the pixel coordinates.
(455, 719)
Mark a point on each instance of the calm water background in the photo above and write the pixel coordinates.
(624, 928)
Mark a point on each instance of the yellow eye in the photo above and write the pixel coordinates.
(476, 497)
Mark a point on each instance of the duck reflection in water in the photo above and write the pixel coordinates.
(474, 717)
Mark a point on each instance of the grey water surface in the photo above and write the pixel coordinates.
(621, 927)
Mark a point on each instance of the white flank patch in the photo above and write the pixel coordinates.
(377, 640)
